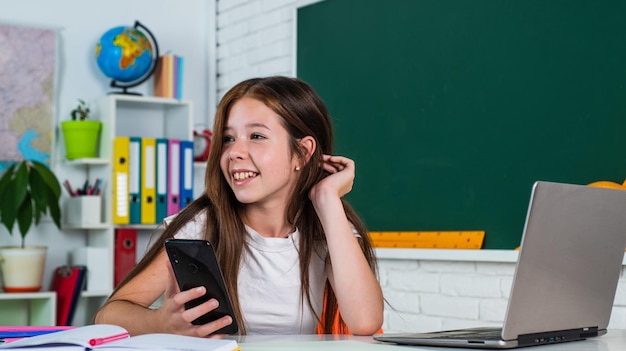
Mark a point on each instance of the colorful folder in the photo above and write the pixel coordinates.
(161, 179)
(134, 187)
(186, 172)
(148, 180)
(121, 148)
(125, 256)
(173, 179)
(67, 282)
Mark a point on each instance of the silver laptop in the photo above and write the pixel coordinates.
(566, 274)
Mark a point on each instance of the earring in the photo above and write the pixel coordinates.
(297, 168)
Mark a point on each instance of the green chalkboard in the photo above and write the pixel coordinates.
(453, 108)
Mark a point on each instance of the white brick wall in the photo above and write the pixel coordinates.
(426, 295)
(256, 38)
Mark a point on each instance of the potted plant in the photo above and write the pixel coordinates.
(80, 133)
(28, 190)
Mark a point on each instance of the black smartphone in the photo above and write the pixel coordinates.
(195, 265)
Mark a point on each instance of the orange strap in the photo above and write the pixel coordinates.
(338, 327)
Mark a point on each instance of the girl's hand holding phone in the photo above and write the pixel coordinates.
(194, 268)
(176, 319)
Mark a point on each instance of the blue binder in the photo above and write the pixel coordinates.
(186, 172)
(161, 178)
(135, 180)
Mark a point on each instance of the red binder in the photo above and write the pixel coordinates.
(67, 282)
(125, 253)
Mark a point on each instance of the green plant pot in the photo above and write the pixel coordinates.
(81, 138)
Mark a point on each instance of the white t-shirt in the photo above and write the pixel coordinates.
(269, 282)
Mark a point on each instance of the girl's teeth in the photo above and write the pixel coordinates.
(243, 175)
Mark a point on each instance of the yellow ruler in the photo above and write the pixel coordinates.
(433, 240)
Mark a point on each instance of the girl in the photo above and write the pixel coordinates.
(292, 252)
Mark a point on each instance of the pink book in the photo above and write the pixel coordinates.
(175, 78)
(11, 333)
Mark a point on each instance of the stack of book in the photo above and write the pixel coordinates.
(168, 77)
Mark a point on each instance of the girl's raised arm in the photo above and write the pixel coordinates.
(358, 292)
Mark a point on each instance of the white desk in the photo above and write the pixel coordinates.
(614, 340)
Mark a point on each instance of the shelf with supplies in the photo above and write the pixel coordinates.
(88, 162)
(136, 130)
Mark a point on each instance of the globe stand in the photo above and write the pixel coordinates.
(124, 90)
(153, 66)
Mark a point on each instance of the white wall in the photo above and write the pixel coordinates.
(180, 26)
(255, 38)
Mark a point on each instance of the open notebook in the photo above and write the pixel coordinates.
(566, 274)
(105, 337)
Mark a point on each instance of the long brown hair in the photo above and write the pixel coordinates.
(303, 114)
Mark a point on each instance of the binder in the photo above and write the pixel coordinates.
(125, 255)
(173, 179)
(148, 181)
(134, 187)
(186, 172)
(67, 282)
(161, 179)
(121, 148)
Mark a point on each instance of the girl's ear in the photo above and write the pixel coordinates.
(308, 145)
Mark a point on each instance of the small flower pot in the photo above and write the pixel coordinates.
(81, 138)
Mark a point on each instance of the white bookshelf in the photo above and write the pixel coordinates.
(37, 308)
(123, 115)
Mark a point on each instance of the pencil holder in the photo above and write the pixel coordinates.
(84, 210)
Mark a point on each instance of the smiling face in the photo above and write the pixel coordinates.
(256, 160)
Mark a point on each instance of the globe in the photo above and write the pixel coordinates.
(126, 55)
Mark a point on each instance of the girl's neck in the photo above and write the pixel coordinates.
(268, 223)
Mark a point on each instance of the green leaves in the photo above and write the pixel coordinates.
(47, 176)
(81, 111)
(46, 192)
(8, 209)
(28, 190)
